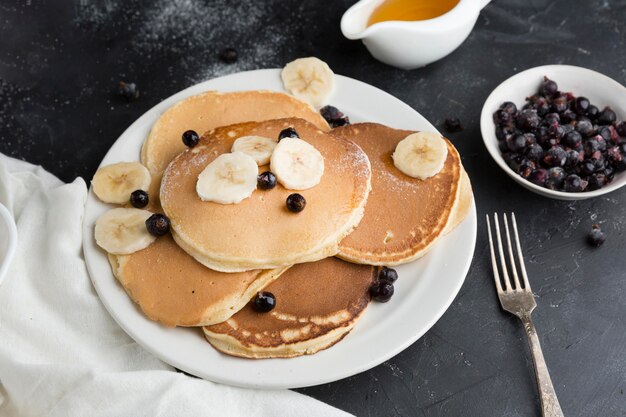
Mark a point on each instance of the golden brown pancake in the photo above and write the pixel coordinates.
(259, 232)
(211, 109)
(404, 216)
(173, 288)
(317, 304)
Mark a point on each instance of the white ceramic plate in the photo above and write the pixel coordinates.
(599, 89)
(424, 290)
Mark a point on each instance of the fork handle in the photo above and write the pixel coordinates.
(550, 406)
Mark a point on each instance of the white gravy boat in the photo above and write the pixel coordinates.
(411, 44)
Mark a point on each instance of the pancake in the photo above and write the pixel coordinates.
(317, 304)
(172, 288)
(259, 232)
(212, 109)
(404, 216)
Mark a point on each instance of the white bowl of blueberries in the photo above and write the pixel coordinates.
(559, 131)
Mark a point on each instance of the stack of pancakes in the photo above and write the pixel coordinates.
(319, 263)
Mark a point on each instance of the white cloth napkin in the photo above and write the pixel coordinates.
(61, 354)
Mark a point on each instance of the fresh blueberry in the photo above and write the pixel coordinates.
(527, 120)
(190, 138)
(139, 199)
(555, 157)
(333, 116)
(596, 181)
(501, 117)
(516, 143)
(568, 116)
(593, 112)
(382, 291)
(127, 91)
(573, 158)
(606, 116)
(551, 119)
(509, 107)
(559, 104)
(264, 302)
(290, 132)
(572, 139)
(229, 55)
(555, 179)
(574, 184)
(596, 237)
(581, 105)
(534, 152)
(295, 203)
(453, 124)
(526, 168)
(158, 224)
(585, 127)
(621, 129)
(388, 274)
(548, 87)
(538, 176)
(266, 180)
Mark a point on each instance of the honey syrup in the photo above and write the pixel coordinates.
(409, 10)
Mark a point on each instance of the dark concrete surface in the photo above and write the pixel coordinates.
(59, 61)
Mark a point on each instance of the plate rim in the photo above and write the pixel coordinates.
(87, 229)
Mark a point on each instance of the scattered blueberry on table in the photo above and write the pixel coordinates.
(452, 125)
(596, 237)
(229, 55)
(127, 91)
(560, 141)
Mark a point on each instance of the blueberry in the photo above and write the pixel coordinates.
(556, 131)
(555, 179)
(591, 145)
(453, 125)
(606, 116)
(559, 104)
(572, 139)
(295, 203)
(596, 237)
(501, 117)
(538, 176)
(190, 138)
(585, 127)
(158, 224)
(534, 152)
(127, 91)
(581, 105)
(527, 120)
(266, 180)
(551, 119)
(568, 116)
(605, 132)
(573, 158)
(514, 161)
(588, 167)
(388, 274)
(334, 116)
(504, 148)
(290, 132)
(596, 181)
(516, 143)
(555, 157)
(264, 302)
(593, 112)
(526, 168)
(509, 107)
(229, 55)
(548, 87)
(609, 173)
(382, 291)
(621, 128)
(139, 198)
(500, 135)
(574, 184)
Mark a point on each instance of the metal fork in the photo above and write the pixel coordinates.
(518, 299)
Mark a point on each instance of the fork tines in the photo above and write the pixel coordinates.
(512, 261)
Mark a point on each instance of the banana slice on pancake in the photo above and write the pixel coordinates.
(421, 155)
(297, 164)
(122, 231)
(229, 179)
(309, 79)
(114, 183)
(258, 147)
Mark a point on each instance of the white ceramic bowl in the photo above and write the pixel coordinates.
(599, 89)
(8, 240)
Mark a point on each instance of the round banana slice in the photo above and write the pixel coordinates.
(258, 147)
(421, 155)
(121, 231)
(230, 178)
(309, 79)
(297, 164)
(114, 183)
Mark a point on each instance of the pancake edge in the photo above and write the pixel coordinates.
(215, 314)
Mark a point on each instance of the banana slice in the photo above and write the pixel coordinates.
(114, 183)
(297, 164)
(309, 79)
(421, 155)
(121, 231)
(230, 178)
(258, 147)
